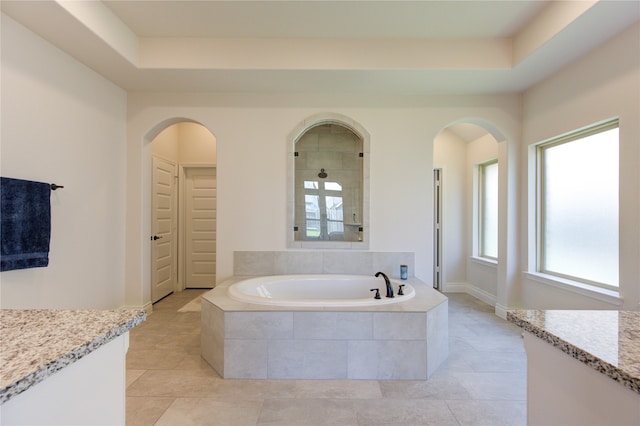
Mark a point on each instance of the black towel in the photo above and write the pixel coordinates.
(25, 219)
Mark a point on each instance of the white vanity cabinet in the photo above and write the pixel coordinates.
(64, 367)
(583, 367)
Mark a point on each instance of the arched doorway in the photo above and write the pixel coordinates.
(466, 156)
(183, 208)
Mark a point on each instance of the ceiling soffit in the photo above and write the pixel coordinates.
(534, 43)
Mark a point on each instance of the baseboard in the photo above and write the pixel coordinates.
(455, 288)
(481, 294)
(471, 290)
(501, 311)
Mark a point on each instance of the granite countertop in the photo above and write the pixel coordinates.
(34, 344)
(608, 341)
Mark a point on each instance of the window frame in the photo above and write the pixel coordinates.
(540, 148)
(481, 209)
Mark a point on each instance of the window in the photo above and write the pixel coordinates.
(323, 200)
(488, 209)
(578, 206)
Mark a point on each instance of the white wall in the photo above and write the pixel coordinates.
(483, 275)
(185, 143)
(63, 123)
(251, 133)
(603, 84)
(167, 144)
(197, 144)
(450, 154)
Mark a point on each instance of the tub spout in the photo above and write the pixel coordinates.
(387, 282)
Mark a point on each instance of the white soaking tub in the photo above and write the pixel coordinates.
(320, 290)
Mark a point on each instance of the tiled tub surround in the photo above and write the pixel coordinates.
(35, 344)
(258, 263)
(407, 340)
(583, 366)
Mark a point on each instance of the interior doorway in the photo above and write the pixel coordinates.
(183, 255)
(437, 229)
(459, 150)
(199, 226)
(163, 223)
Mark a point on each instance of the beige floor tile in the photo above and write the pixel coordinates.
(143, 411)
(307, 412)
(205, 411)
(338, 389)
(193, 362)
(495, 386)
(489, 413)
(404, 412)
(175, 383)
(133, 375)
(186, 343)
(435, 388)
(154, 359)
(228, 389)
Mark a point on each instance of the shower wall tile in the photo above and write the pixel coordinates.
(348, 263)
(324, 160)
(399, 326)
(345, 142)
(307, 359)
(245, 359)
(308, 142)
(258, 325)
(332, 325)
(352, 161)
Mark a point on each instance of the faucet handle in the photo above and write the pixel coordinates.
(400, 292)
(377, 290)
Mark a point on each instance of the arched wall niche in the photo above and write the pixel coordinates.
(361, 223)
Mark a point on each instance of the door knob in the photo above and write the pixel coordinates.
(155, 237)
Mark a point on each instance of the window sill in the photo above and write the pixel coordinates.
(484, 261)
(601, 294)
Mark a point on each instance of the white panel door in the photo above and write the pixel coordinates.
(200, 227)
(163, 223)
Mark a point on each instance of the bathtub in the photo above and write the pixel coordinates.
(334, 329)
(324, 290)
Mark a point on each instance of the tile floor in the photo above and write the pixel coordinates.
(482, 383)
